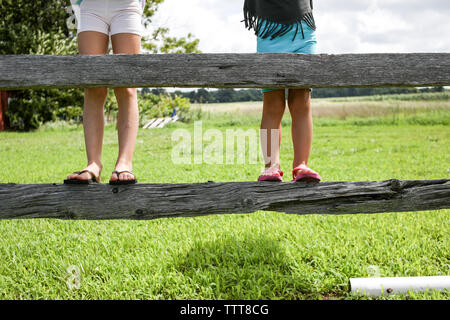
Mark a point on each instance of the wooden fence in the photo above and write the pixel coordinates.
(225, 70)
(150, 201)
(3, 107)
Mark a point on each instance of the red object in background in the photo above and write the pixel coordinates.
(3, 106)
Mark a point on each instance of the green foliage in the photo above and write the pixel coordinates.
(40, 27)
(221, 95)
(151, 6)
(375, 94)
(28, 109)
(111, 107)
(423, 96)
(355, 92)
(35, 27)
(162, 105)
(160, 42)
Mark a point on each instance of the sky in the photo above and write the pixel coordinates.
(343, 26)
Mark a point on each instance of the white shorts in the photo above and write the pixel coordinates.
(111, 16)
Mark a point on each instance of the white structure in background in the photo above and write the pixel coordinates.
(74, 15)
(375, 287)
(160, 122)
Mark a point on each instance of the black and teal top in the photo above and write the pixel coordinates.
(275, 18)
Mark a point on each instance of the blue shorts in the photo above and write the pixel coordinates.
(284, 44)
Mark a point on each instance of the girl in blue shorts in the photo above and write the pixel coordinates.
(285, 26)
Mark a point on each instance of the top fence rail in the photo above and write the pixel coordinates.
(275, 70)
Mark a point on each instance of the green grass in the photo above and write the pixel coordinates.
(425, 108)
(264, 255)
(429, 96)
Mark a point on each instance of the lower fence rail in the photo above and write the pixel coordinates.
(152, 201)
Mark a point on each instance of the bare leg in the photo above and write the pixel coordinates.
(91, 42)
(128, 117)
(299, 102)
(273, 111)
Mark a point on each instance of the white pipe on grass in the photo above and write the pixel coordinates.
(384, 286)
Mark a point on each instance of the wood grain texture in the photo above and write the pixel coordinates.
(151, 201)
(271, 70)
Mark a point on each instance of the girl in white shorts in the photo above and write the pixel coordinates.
(111, 16)
(100, 19)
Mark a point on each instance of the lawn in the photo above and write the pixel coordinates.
(264, 255)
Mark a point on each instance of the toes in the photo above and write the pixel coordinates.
(126, 177)
(84, 176)
(122, 177)
(75, 177)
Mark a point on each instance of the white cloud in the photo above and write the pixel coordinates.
(349, 26)
(216, 23)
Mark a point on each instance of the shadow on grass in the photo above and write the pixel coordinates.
(246, 268)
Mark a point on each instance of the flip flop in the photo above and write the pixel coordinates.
(274, 175)
(304, 174)
(122, 182)
(94, 178)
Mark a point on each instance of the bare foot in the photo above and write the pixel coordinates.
(275, 166)
(125, 173)
(93, 167)
(306, 174)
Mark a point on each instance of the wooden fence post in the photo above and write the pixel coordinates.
(3, 107)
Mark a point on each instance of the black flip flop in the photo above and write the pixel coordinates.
(93, 179)
(122, 182)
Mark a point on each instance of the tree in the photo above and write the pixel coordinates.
(204, 96)
(40, 27)
(37, 27)
(160, 42)
(225, 95)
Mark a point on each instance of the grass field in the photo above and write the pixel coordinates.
(343, 108)
(263, 255)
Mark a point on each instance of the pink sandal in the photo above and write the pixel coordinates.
(271, 175)
(305, 174)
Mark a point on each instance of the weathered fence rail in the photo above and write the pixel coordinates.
(225, 70)
(151, 201)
